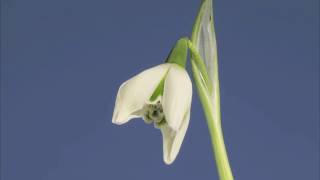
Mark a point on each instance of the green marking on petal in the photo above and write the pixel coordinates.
(159, 90)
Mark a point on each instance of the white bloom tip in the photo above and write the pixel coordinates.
(168, 161)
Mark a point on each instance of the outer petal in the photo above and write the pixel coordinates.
(133, 93)
(172, 140)
(177, 96)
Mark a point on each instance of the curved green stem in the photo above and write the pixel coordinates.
(214, 126)
(200, 64)
(205, 73)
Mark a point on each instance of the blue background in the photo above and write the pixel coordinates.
(63, 61)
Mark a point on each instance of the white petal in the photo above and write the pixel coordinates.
(177, 96)
(172, 140)
(133, 93)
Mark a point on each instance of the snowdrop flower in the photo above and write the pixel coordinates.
(160, 95)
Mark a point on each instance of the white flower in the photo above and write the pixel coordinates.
(160, 95)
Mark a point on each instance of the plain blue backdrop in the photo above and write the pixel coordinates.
(62, 62)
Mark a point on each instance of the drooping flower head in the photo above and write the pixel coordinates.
(160, 95)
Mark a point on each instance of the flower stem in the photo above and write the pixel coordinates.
(214, 126)
(206, 76)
